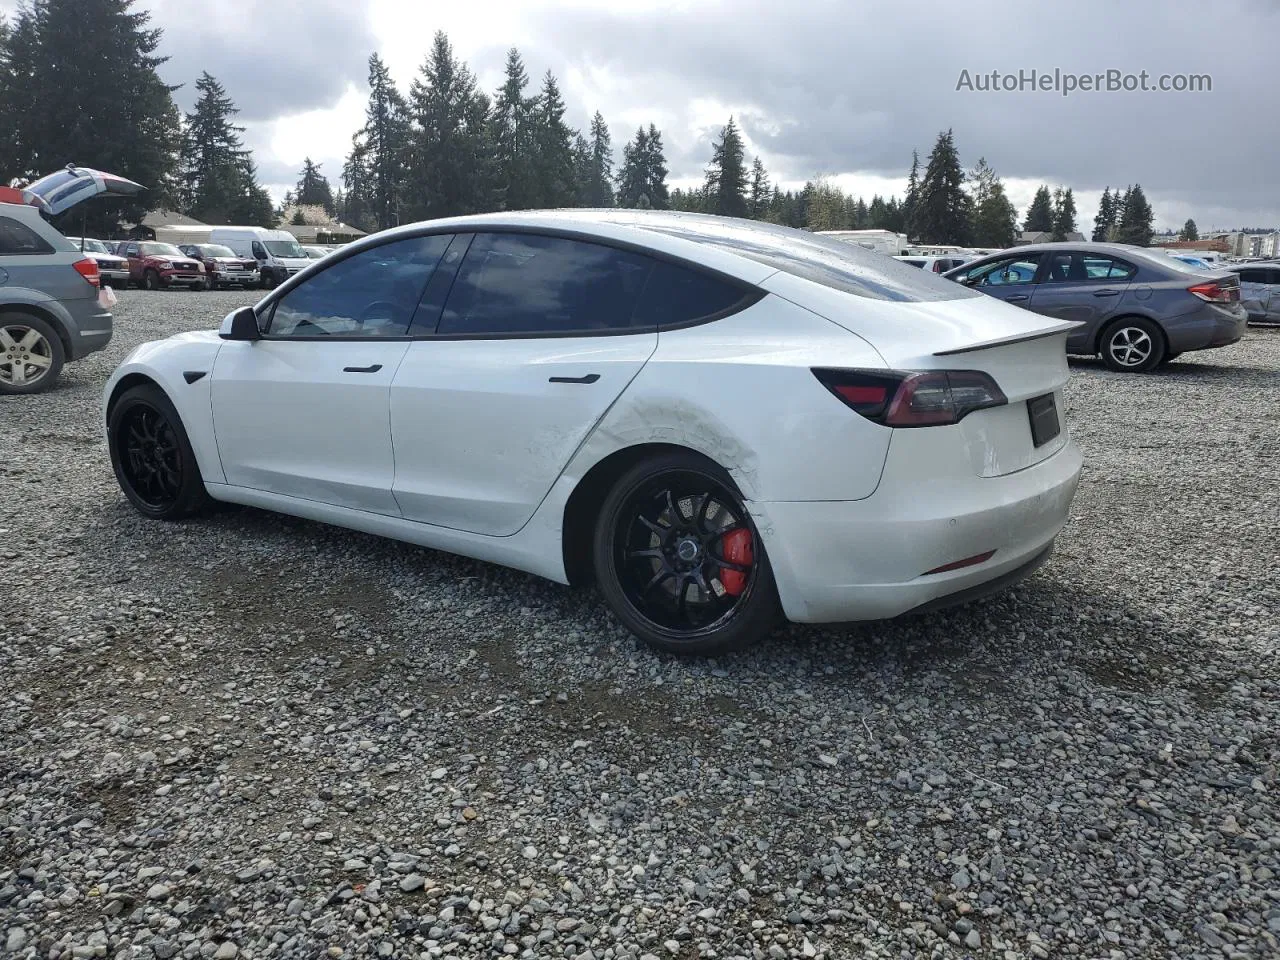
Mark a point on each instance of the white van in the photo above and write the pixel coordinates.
(278, 254)
(277, 251)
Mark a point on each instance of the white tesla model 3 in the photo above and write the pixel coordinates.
(713, 419)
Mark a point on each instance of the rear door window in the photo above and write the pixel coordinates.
(529, 285)
(1106, 268)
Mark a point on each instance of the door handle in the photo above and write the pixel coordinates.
(1015, 299)
(372, 368)
(1106, 293)
(589, 378)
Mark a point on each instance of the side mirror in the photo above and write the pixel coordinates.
(241, 325)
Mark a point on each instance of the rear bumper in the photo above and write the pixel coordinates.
(838, 561)
(1210, 326)
(92, 331)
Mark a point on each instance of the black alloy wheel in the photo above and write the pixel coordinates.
(680, 561)
(152, 456)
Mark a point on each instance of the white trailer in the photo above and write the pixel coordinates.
(881, 241)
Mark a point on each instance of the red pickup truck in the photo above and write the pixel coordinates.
(155, 265)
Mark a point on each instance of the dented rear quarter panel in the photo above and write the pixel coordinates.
(741, 391)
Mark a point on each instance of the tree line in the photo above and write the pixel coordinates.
(442, 148)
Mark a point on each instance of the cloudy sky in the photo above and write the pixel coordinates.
(839, 89)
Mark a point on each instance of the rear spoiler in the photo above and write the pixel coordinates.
(1066, 326)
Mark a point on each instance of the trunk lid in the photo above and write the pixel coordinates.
(1025, 354)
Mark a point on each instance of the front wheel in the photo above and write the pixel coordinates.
(151, 280)
(1132, 345)
(268, 280)
(679, 560)
(152, 456)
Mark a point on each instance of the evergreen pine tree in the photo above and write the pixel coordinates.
(632, 182)
(359, 210)
(313, 188)
(655, 171)
(877, 214)
(1105, 220)
(913, 193)
(941, 212)
(451, 154)
(726, 183)
(219, 183)
(595, 165)
(512, 132)
(1040, 214)
(758, 195)
(1136, 216)
(1189, 231)
(553, 168)
(384, 146)
(1064, 213)
(995, 221)
(860, 215)
(80, 86)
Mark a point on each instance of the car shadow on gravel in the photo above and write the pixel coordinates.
(1182, 367)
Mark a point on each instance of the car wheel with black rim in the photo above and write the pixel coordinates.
(679, 559)
(151, 280)
(31, 354)
(152, 456)
(1132, 345)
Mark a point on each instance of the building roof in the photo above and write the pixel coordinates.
(169, 218)
(1044, 236)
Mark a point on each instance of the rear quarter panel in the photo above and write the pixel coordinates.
(741, 391)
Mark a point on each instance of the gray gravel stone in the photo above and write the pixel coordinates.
(322, 744)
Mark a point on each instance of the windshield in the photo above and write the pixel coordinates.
(92, 246)
(215, 250)
(159, 250)
(284, 248)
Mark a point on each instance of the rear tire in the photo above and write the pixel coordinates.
(152, 455)
(1132, 345)
(31, 354)
(663, 562)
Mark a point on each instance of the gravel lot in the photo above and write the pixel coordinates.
(257, 736)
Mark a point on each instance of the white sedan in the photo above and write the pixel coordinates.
(714, 420)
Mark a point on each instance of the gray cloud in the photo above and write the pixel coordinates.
(835, 87)
(274, 58)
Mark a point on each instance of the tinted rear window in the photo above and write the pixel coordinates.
(515, 284)
(17, 239)
(832, 263)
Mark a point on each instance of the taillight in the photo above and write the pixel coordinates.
(899, 398)
(1214, 292)
(89, 270)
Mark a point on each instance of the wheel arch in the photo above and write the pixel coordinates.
(583, 504)
(128, 382)
(47, 315)
(1110, 324)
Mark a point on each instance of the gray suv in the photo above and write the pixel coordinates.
(49, 309)
(1138, 309)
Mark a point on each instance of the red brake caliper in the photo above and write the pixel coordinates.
(735, 546)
